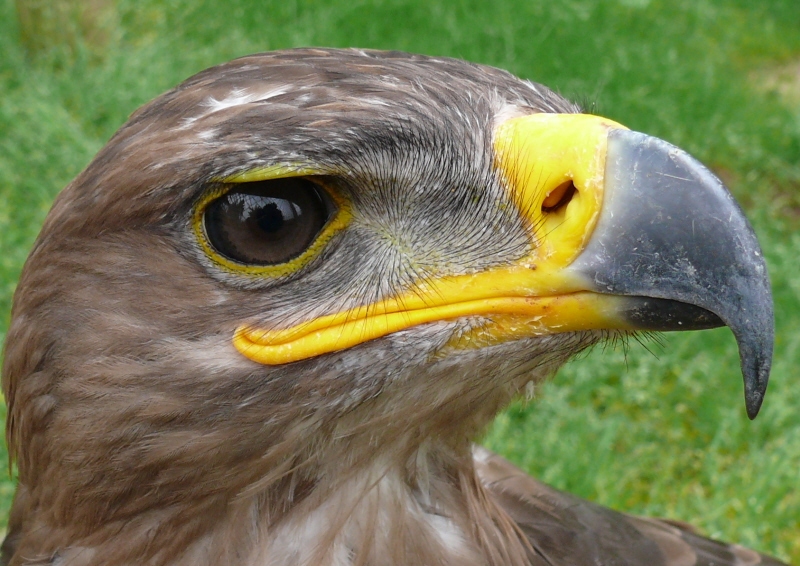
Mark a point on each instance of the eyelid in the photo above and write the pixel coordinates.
(339, 220)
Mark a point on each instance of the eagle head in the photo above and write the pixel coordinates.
(265, 324)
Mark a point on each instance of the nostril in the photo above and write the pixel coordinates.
(559, 197)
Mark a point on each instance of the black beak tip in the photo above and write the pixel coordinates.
(753, 403)
(756, 356)
(755, 386)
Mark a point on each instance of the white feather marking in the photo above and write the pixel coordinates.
(238, 97)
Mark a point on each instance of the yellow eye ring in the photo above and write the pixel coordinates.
(340, 218)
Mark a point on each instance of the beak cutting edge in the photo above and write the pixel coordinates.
(670, 231)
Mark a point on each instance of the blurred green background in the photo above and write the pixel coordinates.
(657, 430)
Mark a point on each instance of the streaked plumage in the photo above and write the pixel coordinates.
(143, 436)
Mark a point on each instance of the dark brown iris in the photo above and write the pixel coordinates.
(267, 222)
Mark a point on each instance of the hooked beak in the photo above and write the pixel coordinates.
(669, 230)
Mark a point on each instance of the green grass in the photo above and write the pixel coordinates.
(662, 433)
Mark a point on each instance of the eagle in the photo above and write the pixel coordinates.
(266, 324)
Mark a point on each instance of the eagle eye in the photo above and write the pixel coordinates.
(267, 222)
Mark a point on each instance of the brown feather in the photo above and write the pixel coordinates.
(567, 530)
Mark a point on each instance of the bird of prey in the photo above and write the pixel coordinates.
(265, 325)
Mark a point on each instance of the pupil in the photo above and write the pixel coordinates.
(270, 218)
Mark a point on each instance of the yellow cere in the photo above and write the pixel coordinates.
(340, 220)
(535, 155)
